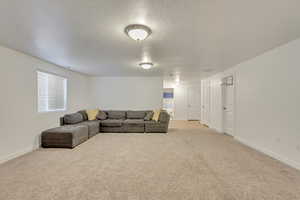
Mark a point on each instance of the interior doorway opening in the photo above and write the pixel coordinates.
(168, 101)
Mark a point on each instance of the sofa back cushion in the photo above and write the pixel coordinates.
(136, 114)
(84, 115)
(116, 114)
(73, 118)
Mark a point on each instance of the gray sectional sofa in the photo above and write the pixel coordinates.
(76, 128)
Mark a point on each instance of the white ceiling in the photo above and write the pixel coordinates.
(189, 36)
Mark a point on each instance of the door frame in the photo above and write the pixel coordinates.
(223, 84)
(205, 102)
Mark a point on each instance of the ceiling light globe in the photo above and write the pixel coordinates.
(138, 32)
(146, 65)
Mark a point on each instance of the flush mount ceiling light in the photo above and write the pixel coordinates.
(138, 32)
(146, 65)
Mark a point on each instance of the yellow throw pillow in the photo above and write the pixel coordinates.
(92, 114)
(156, 115)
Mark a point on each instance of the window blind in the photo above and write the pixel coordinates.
(52, 92)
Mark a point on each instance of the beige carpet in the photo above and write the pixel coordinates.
(191, 162)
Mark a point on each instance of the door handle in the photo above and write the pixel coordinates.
(224, 108)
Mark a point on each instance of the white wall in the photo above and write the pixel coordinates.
(268, 103)
(124, 93)
(20, 123)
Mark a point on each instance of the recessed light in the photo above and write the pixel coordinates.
(138, 32)
(146, 65)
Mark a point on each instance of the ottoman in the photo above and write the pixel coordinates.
(67, 136)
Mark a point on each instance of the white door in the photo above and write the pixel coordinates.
(205, 101)
(228, 106)
(194, 103)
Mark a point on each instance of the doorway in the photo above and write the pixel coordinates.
(194, 103)
(168, 101)
(228, 105)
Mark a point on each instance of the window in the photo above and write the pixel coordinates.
(52, 92)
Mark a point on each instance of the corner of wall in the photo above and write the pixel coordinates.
(18, 153)
(272, 154)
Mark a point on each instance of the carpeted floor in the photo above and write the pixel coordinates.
(191, 162)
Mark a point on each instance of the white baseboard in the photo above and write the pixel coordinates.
(17, 154)
(281, 158)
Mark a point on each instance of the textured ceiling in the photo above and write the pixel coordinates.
(190, 38)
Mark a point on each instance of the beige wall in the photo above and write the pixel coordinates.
(20, 123)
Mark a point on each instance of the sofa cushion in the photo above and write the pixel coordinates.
(112, 123)
(92, 114)
(150, 122)
(134, 121)
(101, 115)
(84, 114)
(149, 116)
(93, 127)
(136, 114)
(112, 129)
(156, 114)
(73, 118)
(116, 114)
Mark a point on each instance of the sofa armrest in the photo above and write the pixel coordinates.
(61, 121)
(164, 117)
